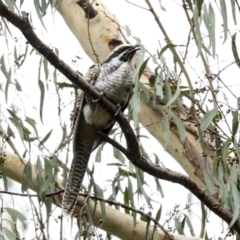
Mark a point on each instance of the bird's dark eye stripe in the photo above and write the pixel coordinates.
(92, 66)
(116, 53)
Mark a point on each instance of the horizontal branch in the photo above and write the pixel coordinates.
(132, 153)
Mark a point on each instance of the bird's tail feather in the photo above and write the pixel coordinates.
(79, 165)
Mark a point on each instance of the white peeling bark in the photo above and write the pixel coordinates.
(117, 223)
(104, 31)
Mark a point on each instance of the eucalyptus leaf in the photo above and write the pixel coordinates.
(207, 119)
(15, 214)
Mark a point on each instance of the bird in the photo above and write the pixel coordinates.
(114, 80)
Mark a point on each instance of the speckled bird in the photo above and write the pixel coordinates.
(114, 80)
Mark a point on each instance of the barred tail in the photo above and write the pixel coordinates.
(84, 142)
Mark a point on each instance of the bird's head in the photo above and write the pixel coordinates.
(123, 52)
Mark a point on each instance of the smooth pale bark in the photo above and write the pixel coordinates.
(117, 223)
(103, 30)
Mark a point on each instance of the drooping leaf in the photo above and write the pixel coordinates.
(235, 123)
(212, 29)
(38, 10)
(234, 50)
(45, 138)
(32, 122)
(189, 223)
(128, 31)
(98, 157)
(15, 214)
(225, 18)
(233, 4)
(209, 183)
(142, 68)
(197, 27)
(180, 126)
(118, 155)
(159, 213)
(169, 45)
(178, 226)
(207, 119)
(99, 193)
(9, 234)
(28, 176)
(42, 93)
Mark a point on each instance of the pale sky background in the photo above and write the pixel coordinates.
(143, 26)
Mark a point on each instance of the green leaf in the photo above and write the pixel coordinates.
(209, 183)
(28, 179)
(98, 157)
(45, 65)
(169, 45)
(18, 86)
(130, 192)
(197, 27)
(180, 126)
(15, 214)
(42, 91)
(126, 199)
(99, 193)
(128, 31)
(14, 115)
(178, 226)
(166, 125)
(32, 122)
(189, 2)
(234, 50)
(45, 138)
(38, 8)
(48, 175)
(234, 11)
(236, 202)
(9, 234)
(224, 17)
(142, 68)
(212, 29)
(207, 119)
(19, 127)
(235, 123)
(118, 155)
(159, 187)
(7, 75)
(6, 25)
(174, 98)
(234, 174)
(159, 213)
(10, 4)
(189, 223)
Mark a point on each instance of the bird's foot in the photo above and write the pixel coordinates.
(96, 100)
(119, 108)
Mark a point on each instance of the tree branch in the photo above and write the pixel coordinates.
(132, 153)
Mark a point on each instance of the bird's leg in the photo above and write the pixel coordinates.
(96, 100)
(119, 108)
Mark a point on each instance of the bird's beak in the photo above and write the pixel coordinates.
(133, 49)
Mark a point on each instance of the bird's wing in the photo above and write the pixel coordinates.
(107, 130)
(90, 77)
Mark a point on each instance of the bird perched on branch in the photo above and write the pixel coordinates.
(113, 78)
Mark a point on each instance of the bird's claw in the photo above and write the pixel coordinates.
(96, 100)
(119, 108)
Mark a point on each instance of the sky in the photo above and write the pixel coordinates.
(143, 26)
